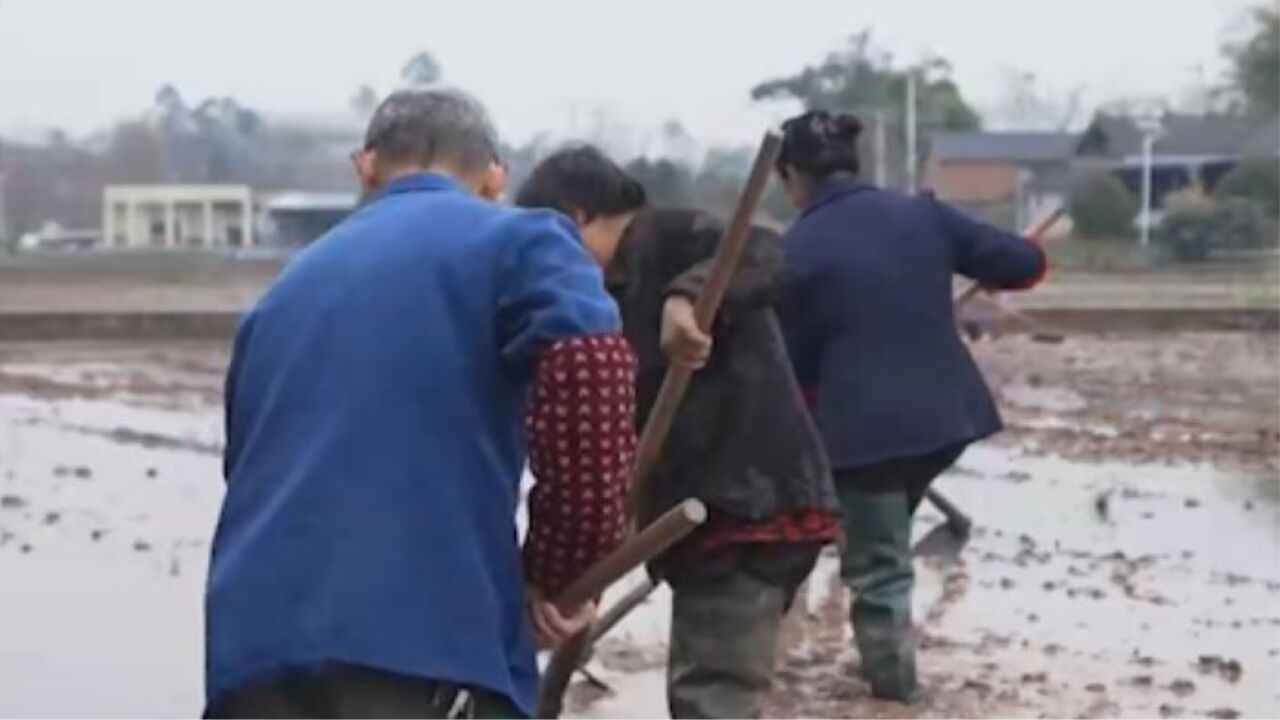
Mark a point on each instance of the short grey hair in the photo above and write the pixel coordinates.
(433, 127)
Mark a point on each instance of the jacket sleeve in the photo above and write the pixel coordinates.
(997, 259)
(755, 281)
(581, 431)
(550, 288)
(231, 428)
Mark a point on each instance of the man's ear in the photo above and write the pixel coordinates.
(367, 169)
(494, 182)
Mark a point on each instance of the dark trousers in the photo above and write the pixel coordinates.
(352, 691)
(726, 613)
(878, 503)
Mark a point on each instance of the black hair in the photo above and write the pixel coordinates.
(581, 179)
(820, 144)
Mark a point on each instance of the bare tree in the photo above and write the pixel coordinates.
(363, 101)
(421, 69)
(1025, 105)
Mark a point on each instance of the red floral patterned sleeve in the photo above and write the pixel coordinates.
(581, 447)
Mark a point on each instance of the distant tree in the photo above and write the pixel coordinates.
(136, 154)
(421, 69)
(1255, 63)
(677, 143)
(1101, 206)
(668, 183)
(363, 101)
(226, 136)
(1024, 104)
(862, 79)
(1255, 180)
(858, 78)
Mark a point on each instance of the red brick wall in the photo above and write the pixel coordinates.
(974, 182)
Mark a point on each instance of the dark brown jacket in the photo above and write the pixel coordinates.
(742, 440)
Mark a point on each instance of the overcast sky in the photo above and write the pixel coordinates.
(551, 64)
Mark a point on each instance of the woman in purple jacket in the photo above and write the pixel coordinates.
(871, 329)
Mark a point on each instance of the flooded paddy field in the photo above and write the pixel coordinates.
(1126, 559)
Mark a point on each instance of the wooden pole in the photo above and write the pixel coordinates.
(725, 262)
(636, 551)
(1034, 233)
(681, 520)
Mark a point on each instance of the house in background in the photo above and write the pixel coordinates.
(1008, 178)
(178, 216)
(1188, 150)
(1012, 178)
(295, 219)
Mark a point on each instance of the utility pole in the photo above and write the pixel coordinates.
(4, 225)
(911, 130)
(1151, 130)
(881, 154)
(1148, 141)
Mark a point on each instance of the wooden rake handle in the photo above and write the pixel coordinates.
(728, 252)
(1035, 233)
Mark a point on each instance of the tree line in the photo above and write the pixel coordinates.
(219, 140)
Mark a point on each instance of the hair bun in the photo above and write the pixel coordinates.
(846, 127)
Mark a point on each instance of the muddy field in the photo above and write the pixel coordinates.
(1126, 559)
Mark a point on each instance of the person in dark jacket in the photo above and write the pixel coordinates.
(871, 328)
(742, 441)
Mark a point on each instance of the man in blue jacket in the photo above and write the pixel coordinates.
(366, 562)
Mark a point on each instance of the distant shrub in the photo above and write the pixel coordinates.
(1102, 207)
(1256, 181)
(1195, 225)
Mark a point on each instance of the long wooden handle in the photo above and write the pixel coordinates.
(728, 252)
(614, 615)
(647, 544)
(1034, 233)
(636, 551)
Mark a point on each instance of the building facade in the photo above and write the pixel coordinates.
(178, 216)
(1008, 178)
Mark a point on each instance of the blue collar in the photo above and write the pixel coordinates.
(418, 182)
(830, 191)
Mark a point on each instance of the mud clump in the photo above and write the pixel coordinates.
(1141, 681)
(1182, 688)
(12, 502)
(1223, 713)
(1228, 669)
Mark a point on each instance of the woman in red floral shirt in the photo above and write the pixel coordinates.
(742, 441)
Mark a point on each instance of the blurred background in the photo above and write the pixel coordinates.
(160, 162)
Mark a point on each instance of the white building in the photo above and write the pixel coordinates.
(178, 216)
